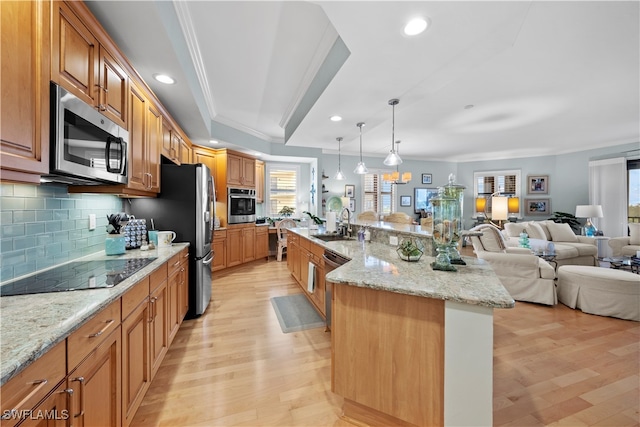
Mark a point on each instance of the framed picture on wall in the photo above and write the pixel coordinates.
(426, 178)
(538, 184)
(352, 204)
(537, 206)
(405, 200)
(422, 198)
(350, 190)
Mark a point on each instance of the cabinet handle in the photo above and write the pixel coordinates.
(177, 263)
(103, 88)
(41, 383)
(69, 392)
(81, 381)
(101, 331)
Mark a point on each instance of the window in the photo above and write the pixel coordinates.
(379, 195)
(633, 188)
(507, 183)
(282, 188)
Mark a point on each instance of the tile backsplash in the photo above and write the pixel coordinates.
(43, 225)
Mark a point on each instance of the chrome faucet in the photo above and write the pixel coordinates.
(347, 231)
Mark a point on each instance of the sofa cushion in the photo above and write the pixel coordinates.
(544, 224)
(634, 233)
(566, 251)
(535, 231)
(561, 232)
(492, 240)
(584, 249)
(513, 229)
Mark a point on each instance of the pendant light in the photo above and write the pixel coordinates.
(361, 169)
(339, 175)
(397, 177)
(393, 158)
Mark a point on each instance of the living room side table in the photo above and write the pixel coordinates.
(603, 246)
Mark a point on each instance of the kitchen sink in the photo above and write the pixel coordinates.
(331, 237)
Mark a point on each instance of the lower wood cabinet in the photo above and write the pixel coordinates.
(159, 325)
(262, 242)
(219, 247)
(301, 253)
(57, 407)
(234, 246)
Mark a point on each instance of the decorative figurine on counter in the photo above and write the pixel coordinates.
(523, 241)
(445, 210)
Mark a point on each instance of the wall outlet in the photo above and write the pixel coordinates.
(393, 240)
(92, 221)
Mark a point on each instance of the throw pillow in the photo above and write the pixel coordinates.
(513, 229)
(491, 239)
(543, 224)
(634, 233)
(561, 232)
(535, 231)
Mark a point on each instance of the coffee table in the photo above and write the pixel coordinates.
(549, 257)
(624, 263)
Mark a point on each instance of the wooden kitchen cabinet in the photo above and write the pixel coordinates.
(241, 171)
(183, 287)
(177, 292)
(83, 66)
(262, 242)
(234, 245)
(158, 318)
(206, 157)
(248, 243)
(24, 77)
(185, 151)
(259, 181)
(219, 247)
(174, 147)
(293, 255)
(96, 385)
(57, 406)
(300, 253)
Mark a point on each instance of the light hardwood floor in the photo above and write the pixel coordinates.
(234, 366)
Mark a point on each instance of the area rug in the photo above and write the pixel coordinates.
(296, 313)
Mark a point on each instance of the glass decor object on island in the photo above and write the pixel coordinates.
(410, 249)
(445, 210)
(523, 241)
(455, 191)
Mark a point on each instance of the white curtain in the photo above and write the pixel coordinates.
(608, 188)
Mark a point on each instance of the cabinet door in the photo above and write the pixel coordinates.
(234, 246)
(24, 78)
(304, 259)
(137, 138)
(57, 406)
(136, 372)
(185, 152)
(183, 290)
(75, 55)
(248, 244)
(173, 314)
(234, 169)
(220, 249)
(154, 143)
(159, 325)
(205, 157)
(259, 181)
(317, 297)
(113, 89)
(248, 172)
(262, 243)
(97, 385)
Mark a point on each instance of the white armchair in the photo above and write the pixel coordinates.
(626, 246)
(525, 276)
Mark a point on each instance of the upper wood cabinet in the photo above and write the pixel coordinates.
(24, 77)
(206, 157)
(259, 181)
(241, 171)
(172, 144)
(185, 151)
(85, 68)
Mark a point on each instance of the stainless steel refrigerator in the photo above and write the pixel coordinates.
(186, 205)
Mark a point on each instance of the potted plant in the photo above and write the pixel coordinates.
(286, 211)
(566, 218)
(410, 249)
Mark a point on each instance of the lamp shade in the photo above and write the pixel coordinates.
(499, 208)
(514, 205)
(589, 211)
(480, 204)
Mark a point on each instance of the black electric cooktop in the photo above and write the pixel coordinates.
(77, 275)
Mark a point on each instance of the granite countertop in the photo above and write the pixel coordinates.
(377, 266)
(32, 324)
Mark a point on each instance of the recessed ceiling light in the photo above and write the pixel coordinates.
(415, 26)
(335, 118)
(468, 106)
(163, 78)
(213, 141)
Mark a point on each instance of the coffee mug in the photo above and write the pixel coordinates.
(165, 238)
(153, 237)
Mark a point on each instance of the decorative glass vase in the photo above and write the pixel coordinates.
(445, 210)
(455, 191)
(524, 240)
(115, 244)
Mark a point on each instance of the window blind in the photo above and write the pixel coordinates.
(282, 189)
(379, 195)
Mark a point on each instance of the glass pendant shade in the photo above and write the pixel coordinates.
(393, 158)
(361, 168)
(339, 175)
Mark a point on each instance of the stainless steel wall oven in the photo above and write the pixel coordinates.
(242, 205)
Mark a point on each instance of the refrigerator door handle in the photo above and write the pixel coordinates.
(208, 261)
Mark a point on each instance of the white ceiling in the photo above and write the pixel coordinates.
(544, 77)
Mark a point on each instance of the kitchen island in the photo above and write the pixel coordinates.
(410, 345)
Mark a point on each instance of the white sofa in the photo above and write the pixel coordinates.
(626, 246)
(525, 276)
(570, 249)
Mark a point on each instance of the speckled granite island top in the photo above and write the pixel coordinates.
(32, 324)
(377, 266)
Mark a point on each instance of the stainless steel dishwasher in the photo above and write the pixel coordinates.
(331, 261)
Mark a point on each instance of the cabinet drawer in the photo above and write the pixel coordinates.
(263, 229)
(91, 334)
(134, 297)
(219, 234)
(31, 385)
(176, 260)
(157, 277)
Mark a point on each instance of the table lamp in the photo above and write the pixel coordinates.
(514, 208)
(480, 206)
(588, 212)
(499, 209)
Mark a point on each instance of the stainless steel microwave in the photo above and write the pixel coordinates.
(86, 147)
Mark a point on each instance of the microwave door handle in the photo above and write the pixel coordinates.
(121, 161)
(123, 156)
